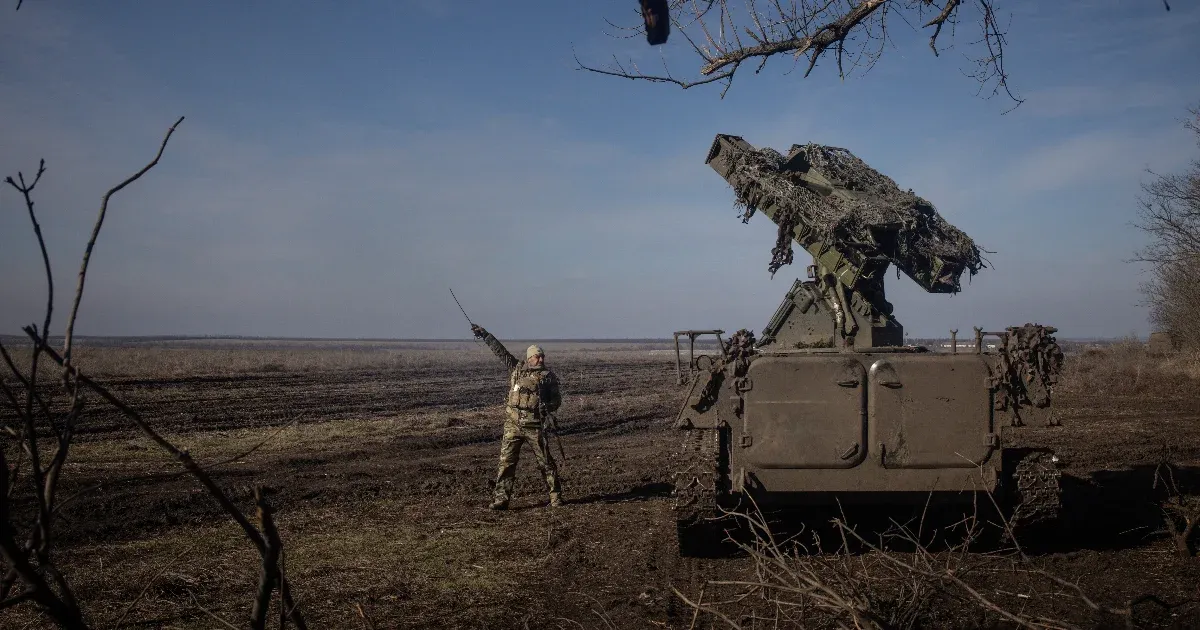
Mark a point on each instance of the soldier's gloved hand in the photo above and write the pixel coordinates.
(480, 333)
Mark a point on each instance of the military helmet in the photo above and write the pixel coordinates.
(534, 351)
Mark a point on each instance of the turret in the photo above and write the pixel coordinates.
(855, 223)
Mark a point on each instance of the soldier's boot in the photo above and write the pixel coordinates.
(555, 499)
(501, 494)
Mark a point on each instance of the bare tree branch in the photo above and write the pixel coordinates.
(87, 252)
(1169, 213)
(813, 28)
(939, 21)
(31, 564)
(38, 590)
(269, 575)
(827, 35)
(181, 456)
(26, 383)
(16, 599)
(26, 191)
(262, 541)
(620, 72)
(1178, 506)
(42, 479)
(889, 583)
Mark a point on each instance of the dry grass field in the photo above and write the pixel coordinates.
(380, 455)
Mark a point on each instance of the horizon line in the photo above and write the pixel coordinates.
(702, 339)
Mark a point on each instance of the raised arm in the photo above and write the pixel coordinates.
(498, 348)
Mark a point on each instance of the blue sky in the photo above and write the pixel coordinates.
(341, 166)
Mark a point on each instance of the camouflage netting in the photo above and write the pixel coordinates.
(1031, 362)
(737, 353)
(741, 345)
(921, 234)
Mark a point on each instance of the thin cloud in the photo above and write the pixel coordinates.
(1095, 156)
(1080, 100)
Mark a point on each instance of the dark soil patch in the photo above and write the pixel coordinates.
(397, 522)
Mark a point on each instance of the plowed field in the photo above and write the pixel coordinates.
(381, 466)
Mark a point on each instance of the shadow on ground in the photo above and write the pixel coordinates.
(1109, 510)
(1120, 509)
(642, 492)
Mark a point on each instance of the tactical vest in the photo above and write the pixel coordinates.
(525, 389)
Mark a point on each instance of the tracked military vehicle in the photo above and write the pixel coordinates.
(829, 402)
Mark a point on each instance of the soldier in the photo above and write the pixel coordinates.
(532, 395)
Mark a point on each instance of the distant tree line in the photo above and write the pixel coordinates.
(1169, 211)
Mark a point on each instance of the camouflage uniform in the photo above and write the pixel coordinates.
(533, 392)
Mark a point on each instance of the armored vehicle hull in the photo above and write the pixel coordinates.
(881, 427)
(830, 405)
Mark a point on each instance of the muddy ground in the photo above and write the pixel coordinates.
(382, 470)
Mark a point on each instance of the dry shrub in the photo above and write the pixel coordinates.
(892, 583)
(1181, 510)
(897, 581)
(1169, 212)
(1127, 368)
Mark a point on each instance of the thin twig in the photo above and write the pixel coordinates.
(269, 574)
(26, 191)
(711, 611)
(210, 613)
(364, 617)
(811, 27)
(696, 612)
(87, 252)
(25, 383)
(149, 583)
(40, 592)
(19, 598)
